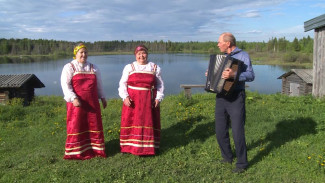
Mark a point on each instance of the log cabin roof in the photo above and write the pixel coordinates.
(18, 80)
(315, 23)
(305, 74)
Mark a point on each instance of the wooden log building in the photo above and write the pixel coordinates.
(318, 24)
(18, 86)
(297, 82)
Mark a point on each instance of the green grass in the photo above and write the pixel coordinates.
(285, 139)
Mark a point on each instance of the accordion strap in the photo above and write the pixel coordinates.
(233, 53)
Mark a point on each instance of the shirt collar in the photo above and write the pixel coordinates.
(236, 50)
(80, 64)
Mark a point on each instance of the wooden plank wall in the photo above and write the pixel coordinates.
(284, 84)
(4, 97)
(319, 63)
(294, 78)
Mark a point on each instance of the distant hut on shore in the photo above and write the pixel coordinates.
(18, 86)
(318, 23)
(297, 82)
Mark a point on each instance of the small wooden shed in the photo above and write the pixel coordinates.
(318, 24)
(297, 82)
(18, 86)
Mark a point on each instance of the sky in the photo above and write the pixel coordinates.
(150, 20)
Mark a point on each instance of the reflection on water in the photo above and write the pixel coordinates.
(176, 69)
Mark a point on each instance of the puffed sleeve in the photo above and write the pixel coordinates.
(159, 85)
(67, 89)
(122, 90)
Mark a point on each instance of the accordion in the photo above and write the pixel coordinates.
(215, 83)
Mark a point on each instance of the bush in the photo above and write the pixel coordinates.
(305, 58)
(290, 57)
(297, 57)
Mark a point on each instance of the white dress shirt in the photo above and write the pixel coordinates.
(67, 74)
(147, 67)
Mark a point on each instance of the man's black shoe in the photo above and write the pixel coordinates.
(224, 161)
(238, 170)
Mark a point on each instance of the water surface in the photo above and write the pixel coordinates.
(176, 69)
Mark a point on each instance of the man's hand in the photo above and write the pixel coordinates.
(228, 74)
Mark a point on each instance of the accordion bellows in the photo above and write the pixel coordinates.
(215, 83)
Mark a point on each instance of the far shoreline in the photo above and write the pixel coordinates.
(259, 58)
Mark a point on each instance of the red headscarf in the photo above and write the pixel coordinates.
(140, 48)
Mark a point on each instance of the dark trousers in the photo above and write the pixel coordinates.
(231, 109)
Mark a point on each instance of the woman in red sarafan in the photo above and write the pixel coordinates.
(82, 87)
(141, 88)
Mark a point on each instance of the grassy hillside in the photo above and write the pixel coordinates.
(285, 138)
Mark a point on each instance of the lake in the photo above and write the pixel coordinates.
(176, 69)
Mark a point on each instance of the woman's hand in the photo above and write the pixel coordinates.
(127, 101)
(157, 102)
(76, 102)
(104, 102)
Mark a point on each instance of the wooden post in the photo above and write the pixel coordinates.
(188, 93)
(188, 87)
(319, 63)
(318, 24)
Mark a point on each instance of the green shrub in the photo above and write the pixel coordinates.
(290, 57)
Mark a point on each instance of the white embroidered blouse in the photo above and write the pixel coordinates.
(147, 67)
(67, 74)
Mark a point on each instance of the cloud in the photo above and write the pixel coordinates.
(71, 14)
(254, 32)
(181, 20)
(35, 29)
(251, 14)
(319, 5)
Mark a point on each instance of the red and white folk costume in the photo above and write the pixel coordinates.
(85, 138)
(140, 122)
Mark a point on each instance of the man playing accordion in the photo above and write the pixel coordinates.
(231, 106)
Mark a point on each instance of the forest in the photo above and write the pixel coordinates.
(292, 50)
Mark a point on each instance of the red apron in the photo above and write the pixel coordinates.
(140, 123)
(85, 138)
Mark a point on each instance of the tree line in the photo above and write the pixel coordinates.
(12, 47)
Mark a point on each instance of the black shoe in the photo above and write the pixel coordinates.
(224, 161)
(238, 170)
